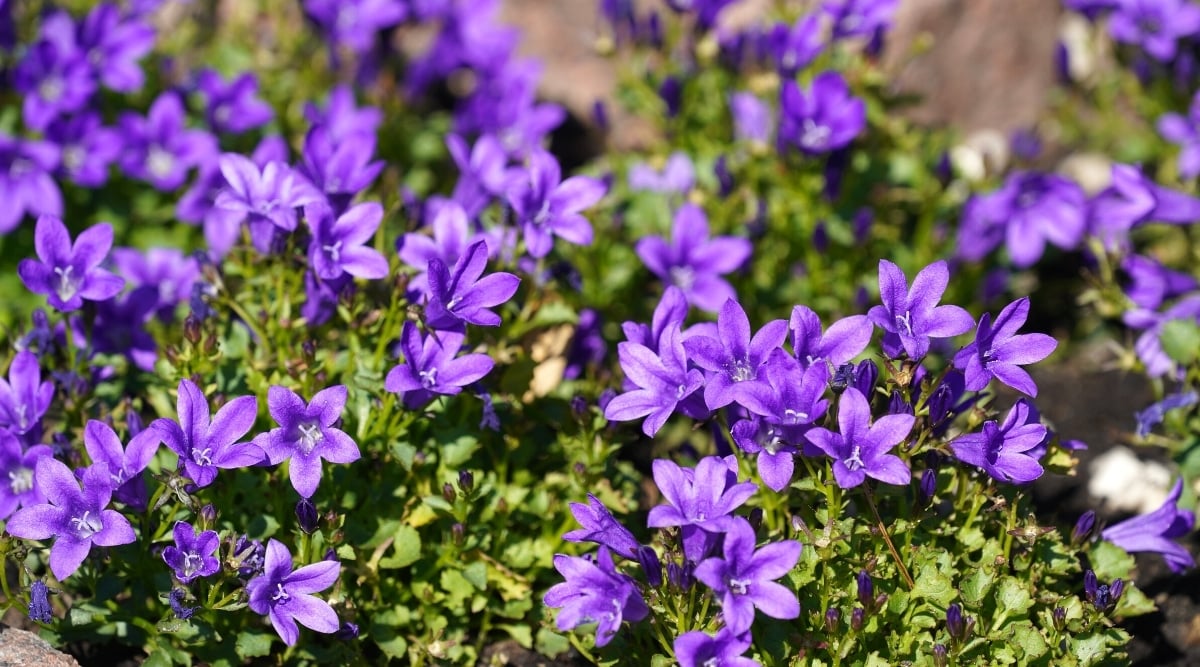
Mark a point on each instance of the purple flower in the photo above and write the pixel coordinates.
(451, 236)
(998, 351)
(193, 554)
(340, 169)
(823, 119)
(1156, 412)
(17, 465)
(547, 206)
(306, 434)
(601, 527)
(76, 518)
(1151, 283)
(69, 273)
(912, 317)
(734, 361)
(504, 104)
(120, 327)
(430, 366)
(861, 449)
(338, 247)
(841, 342)
(1185, 132)
(661, 381)
(794, 47)
(1132, 200)
(706, 11)
(462, 296)
(114, 46)
(1156, 530)
(751, 119)
(745, 578)
(1003, 450)
(167, 270)
(87, 148)
(594, 593)
(232, 107)
(1155, 25)
(25, 180)
(700, 501)
(1029, 210)
(792, 405)
(482, 172)
(266, 199)
(342, 117)
(1148, 346)
(24, 398)
(698, 649)
(859, 17)
(125, 464)
(677, 175)
(54, 77)
(39, 602)
(354, 23)
(159, 149)
(286, 596)
(205, 444)
(694, 262)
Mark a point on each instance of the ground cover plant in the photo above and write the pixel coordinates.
(318, 352)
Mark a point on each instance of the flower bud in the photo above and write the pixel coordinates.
(941, 657)
(208, 516)
(756, 518)
(579, 407)
(191, 329)
(832, 618)
(306, 515)
(347, 632)
(466, 481)
(957, 625)
(857, 618)
(1082, 531)
(1059, 616)
(866, 589)
(458, 533)
(866, 374)
(600, 115)
(648, 558)
(928, 487)
(898, 406)
(820, 237)
(671, 92)
(724, 178)
(680, 576)
(448, 492)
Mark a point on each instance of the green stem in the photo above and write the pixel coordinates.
(887, 538)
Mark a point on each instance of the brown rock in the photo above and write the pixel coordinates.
(21, 648)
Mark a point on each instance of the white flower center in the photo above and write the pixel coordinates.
(68, 283)
(739, 586)
(87, 525)
(814, 136)
(428, 378)
(310, 437)
(20, 480)
(159, 163)
(854, 461)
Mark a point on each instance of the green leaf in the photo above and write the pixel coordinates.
(1181, 340)
(1089, 649)
(1110, 561)
(1013, 595)
(406, 549)
(1134, 602)
(458, 451)
(456, 586)
(521, 633)
(934, 585)
(1030, 639)
(253, 645)
(976, 587)
(551, 644)
(404, 453)
(476, 573)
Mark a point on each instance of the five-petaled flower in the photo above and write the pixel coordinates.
(205, 444)
(306, 434)
(861, 449)
(601, 527)
(700, 501)
(286, 596)
(462, 296)
(998, 352)
(911, 317)
(594, 592)
(1003, 450)
(430, 366)
(24, 398)
(745, 578)
(547, 206)
(694, 262)
(68, 273)
(193, 554)
(76, 518)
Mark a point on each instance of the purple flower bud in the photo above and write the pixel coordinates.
(39, 602)
(208, 516)
(680, 576)
(941, 657)
(832, 618)
(466, 481)
(898, 406)
(1115, 591)
(857, 618)
(956, 623)
(600, 115)
(448, 492)
(820, 237)
(306, 515)
(863, 219)
(944, 170)
(606, 396)
(671, 92)
(458, 533)
(724, 178)
(648, 558)
(866, 373)
(579, 406)
(928, 487)
(866, 589)
(347, 632)
(331, 555)
(1084, 526)
(1090, 585)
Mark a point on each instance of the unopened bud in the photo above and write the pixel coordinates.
(832, 618)
(1083, 528)
(459, 533)
(306, 515)
(466, 481)
(648, 558)
(857, 618)
(448, 492)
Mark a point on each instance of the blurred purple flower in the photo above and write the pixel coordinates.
(1029, 210)
(482, 173)
(167, 270)
(1151, 322)
(114, 45)
(232, 107)
(694, 262)
(353, 24)
(120, 327)
(852, 18)
(547, 206)
(1154, 413)
(265, 199)
(677, 175)
(1155, 531)
(1155, 25)
(17, 465)
(87, 148)
(67, 273)
(54, 77)
(1132, 200)
(24, 398)
(340, 169)
(794, 47)
(159, 149)
(752, 120)
(823, 119)
(342, 117)
(1185, 132)
(25, 167)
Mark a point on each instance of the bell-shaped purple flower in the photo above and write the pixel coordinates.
(66, 272)
(159, 149)
(999, 352)
(861, 449)
(912, 317)
(1030, 210)
(307, 434)
(465, 295)
(744, 580)
(25, 168)
(285, 596)
(601, 527)
(232, 107)
(17, 465)
(594, 592)
(1184, 131)
(125, 464)
(693, 261)
(841, 342)
(823, 119)
(734, 361)
(700, 501)
(430, 366)
(1003, 450)
(698, 649)
(547, 206)
(54, 77)
(206, 443)
(660, 381)
(194, 554)
(1156, 531)
(88, 148)
(266, 199)
(24, 398)
(338, 246)
(77, 518)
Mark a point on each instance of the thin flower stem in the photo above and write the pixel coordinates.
(888, 538)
